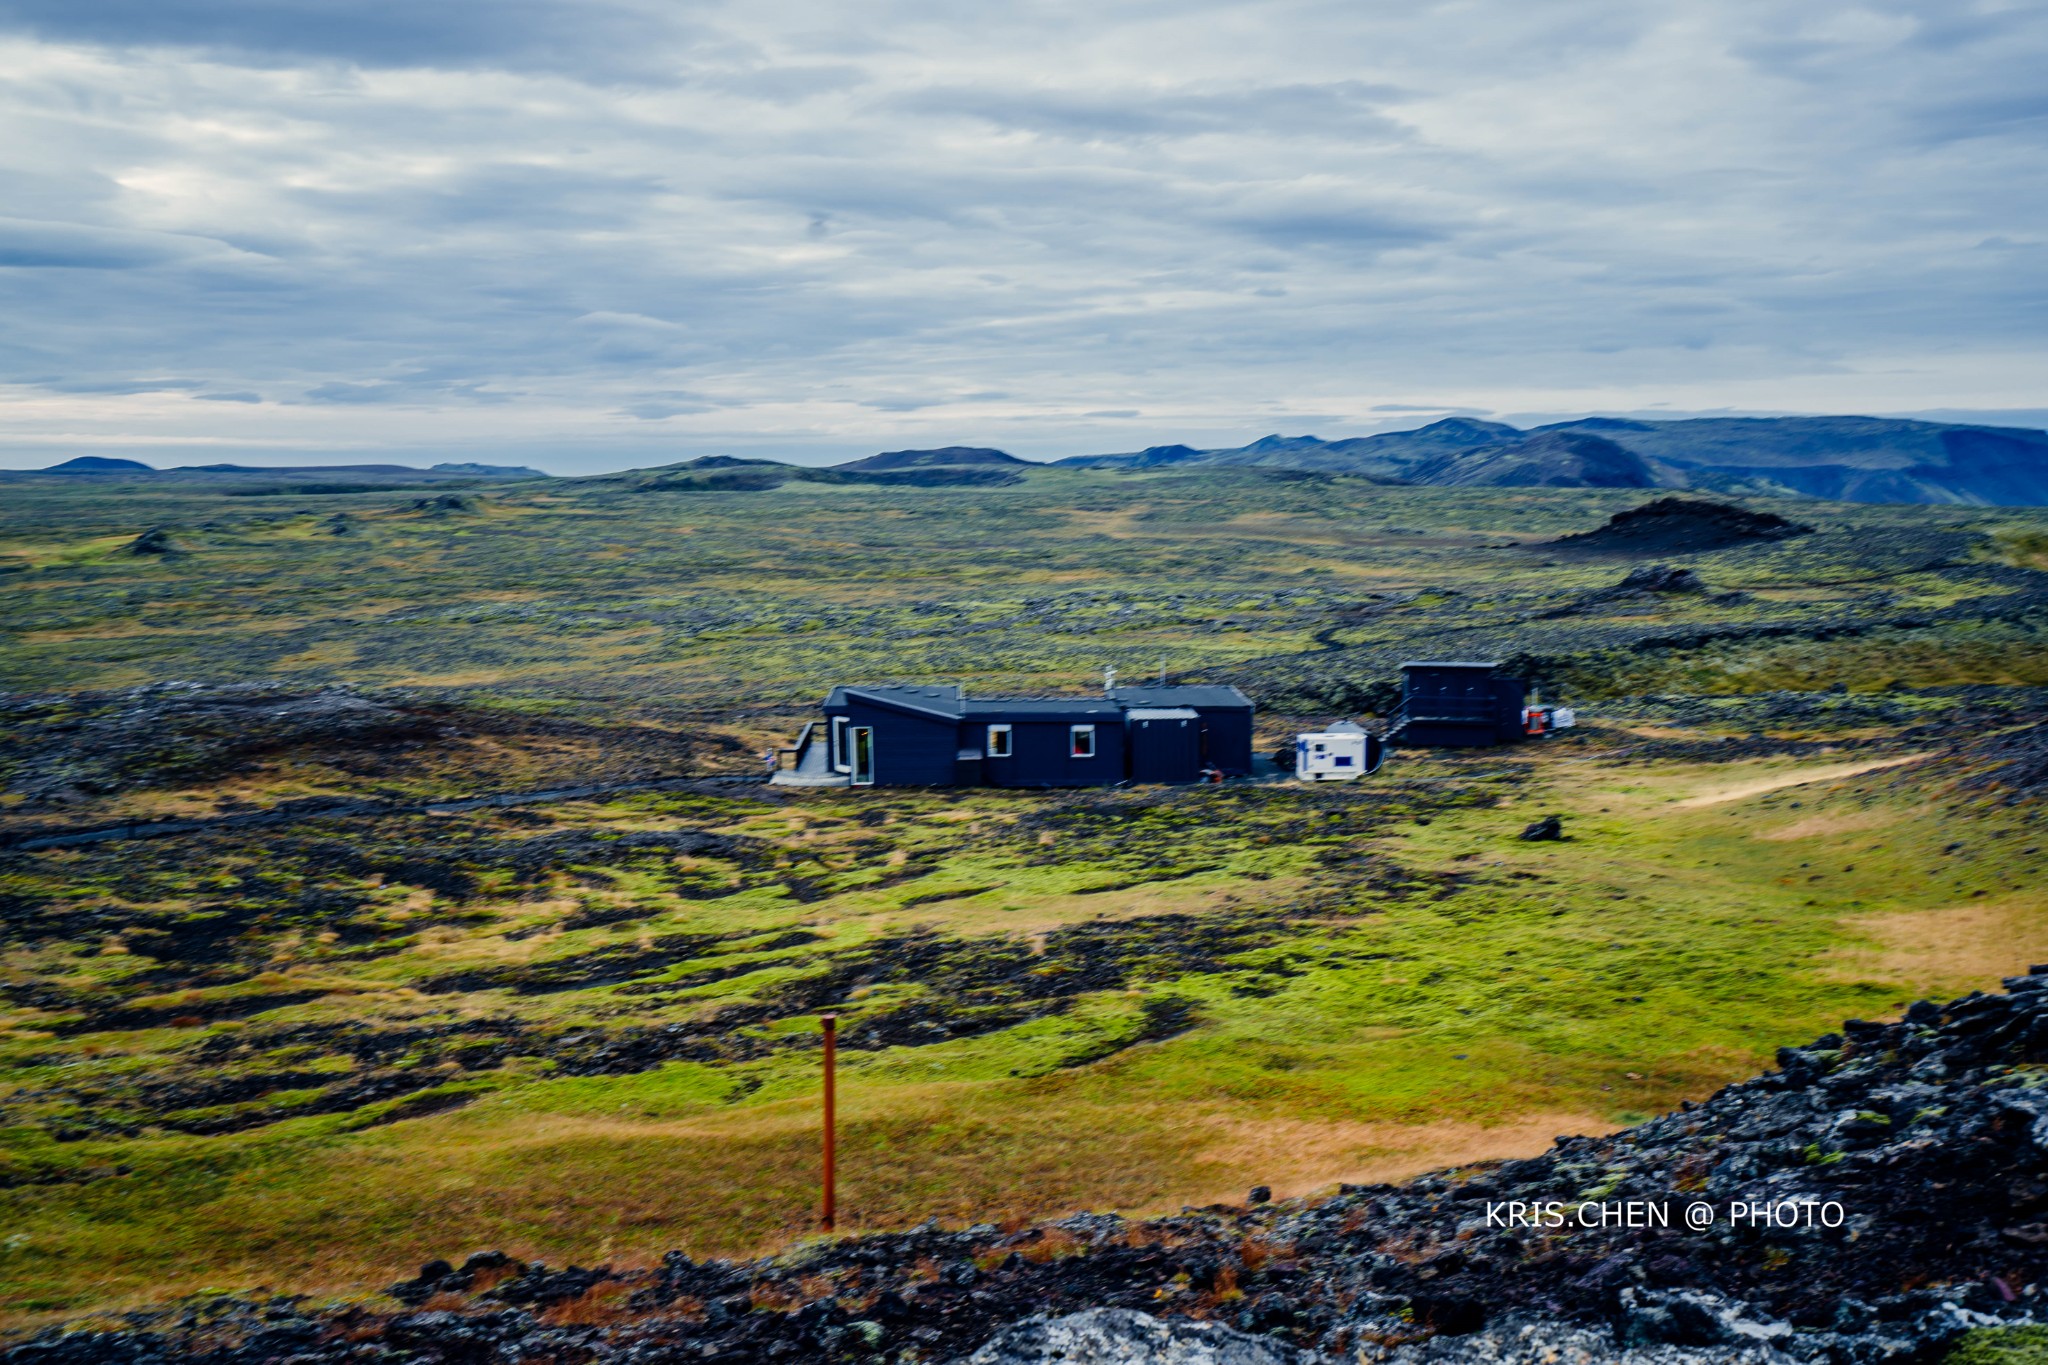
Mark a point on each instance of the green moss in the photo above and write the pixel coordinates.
(2000, 1346)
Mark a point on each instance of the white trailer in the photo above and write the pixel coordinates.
(1343, 753)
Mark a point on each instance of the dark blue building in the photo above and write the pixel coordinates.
(1458, 704)
(940, 737)
(1224, 715)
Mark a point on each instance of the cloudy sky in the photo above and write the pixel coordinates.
(588, 234)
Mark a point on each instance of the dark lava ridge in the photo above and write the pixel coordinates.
(1676, 525)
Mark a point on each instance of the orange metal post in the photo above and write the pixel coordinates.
(831, 1024)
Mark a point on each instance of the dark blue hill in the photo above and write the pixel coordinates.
(99, 464)
(1854, 459)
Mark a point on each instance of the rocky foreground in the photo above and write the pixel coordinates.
(1881, 1193)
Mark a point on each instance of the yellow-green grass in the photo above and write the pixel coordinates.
(1662, 950)
(1996, 652)
(1477, 998)
(593, 589)
(2001, 1346)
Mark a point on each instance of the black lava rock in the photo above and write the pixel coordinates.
(1679, 524)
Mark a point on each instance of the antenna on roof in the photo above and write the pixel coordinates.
(1109, 679)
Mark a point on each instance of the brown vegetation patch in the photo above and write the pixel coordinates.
(1821, 826)
(1295, 1157)
(1948, 951)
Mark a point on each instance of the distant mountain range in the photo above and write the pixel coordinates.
(948, 467)
(1855, 459)
(102, 464)
(946, 457)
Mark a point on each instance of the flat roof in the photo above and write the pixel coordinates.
(1451, 663)
(1041, 706)
(949, 700)
(1191, 694)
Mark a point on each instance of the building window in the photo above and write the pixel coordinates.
(998, 741)
(842, 761)
(1081, 741)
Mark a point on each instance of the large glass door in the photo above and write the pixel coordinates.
(863, 742)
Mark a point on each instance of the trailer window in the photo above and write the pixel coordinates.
(1082, 739)
(998, 741)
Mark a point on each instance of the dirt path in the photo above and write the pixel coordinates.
(1797, 779)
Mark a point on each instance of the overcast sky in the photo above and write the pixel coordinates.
(588, 235)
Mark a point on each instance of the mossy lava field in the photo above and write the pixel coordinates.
(347, 1014)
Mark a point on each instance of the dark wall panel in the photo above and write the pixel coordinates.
(1166, 750)
(1039, 756)
(910, 751)
(1512, 698)
(1227, 737)
(1449, 734)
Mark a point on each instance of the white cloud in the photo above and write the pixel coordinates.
(591, 235)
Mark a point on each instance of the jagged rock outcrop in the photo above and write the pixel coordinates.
(1119, 1336)
(1660, 578)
